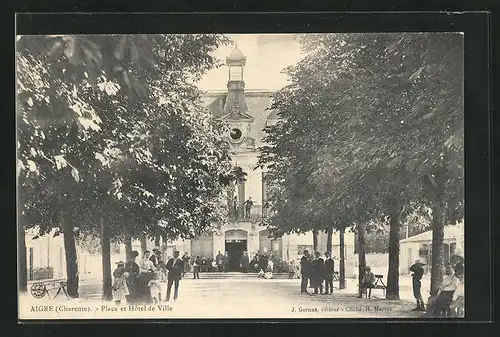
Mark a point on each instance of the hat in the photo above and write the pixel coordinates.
(120, 263)
(156, 249)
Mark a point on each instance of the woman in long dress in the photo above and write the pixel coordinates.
(133, 280)
(147, 269)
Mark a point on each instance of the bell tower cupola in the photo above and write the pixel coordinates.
(236, 62)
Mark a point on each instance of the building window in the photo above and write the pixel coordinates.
(236, 73)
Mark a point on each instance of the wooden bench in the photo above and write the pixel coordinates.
(59, 284)
(378, 284)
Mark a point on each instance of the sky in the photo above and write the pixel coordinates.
(267, 55)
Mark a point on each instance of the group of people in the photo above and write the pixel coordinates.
(142, 282)
(450, 290)
(316, 270)
(247, 206)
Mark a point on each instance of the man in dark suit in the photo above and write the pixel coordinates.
(329, 271)
(244, 262)
(318, 273)
(305, 271)
(219, 259)
(175, 267)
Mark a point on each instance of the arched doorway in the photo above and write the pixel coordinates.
(235, 244)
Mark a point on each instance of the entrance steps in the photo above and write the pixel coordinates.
(232, 275)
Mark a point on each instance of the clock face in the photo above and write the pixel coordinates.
(236, 134)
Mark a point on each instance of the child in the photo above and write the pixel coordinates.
(269, 270)
(120, 288)
(155, 286)
(293, 270)
(366, 282)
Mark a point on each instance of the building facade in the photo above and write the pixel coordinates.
(247, 114)
(419, 247)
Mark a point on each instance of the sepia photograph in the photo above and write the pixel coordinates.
(195, 176)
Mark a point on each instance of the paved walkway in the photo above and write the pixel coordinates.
(234, 298)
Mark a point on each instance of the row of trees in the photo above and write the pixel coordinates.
(370, 133)
(114, 141)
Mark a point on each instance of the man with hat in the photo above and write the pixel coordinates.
(175, 267)
(156, 258)
(418, 272)
(329, 272)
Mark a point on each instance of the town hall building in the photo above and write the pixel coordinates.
(247, 114)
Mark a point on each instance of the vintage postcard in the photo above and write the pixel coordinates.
(169, 176)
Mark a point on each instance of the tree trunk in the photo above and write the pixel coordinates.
(157, 241)
(128, 246)
(164, 245)
(392, 292)
(315, 240)
(329, 236)
(107, 294)
(144, 244)
(22, 267)
(128, 243)
(342, 284)
(437, 247)
(361, 252)
(71, 256)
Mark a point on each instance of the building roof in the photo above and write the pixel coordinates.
(255, 104)
(450, 233)
(236, 56)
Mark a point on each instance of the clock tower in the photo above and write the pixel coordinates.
(236, 112)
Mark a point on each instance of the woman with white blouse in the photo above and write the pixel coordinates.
(147, 269)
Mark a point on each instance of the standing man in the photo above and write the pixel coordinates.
(305, 271)
(318, 273)
(248, 206)
(329, 271)
(185, 260)
(219, 259)
(175, 267)
(225, 262)
(196, 268)
(236, 207)
(418, 272)
(245, 262)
